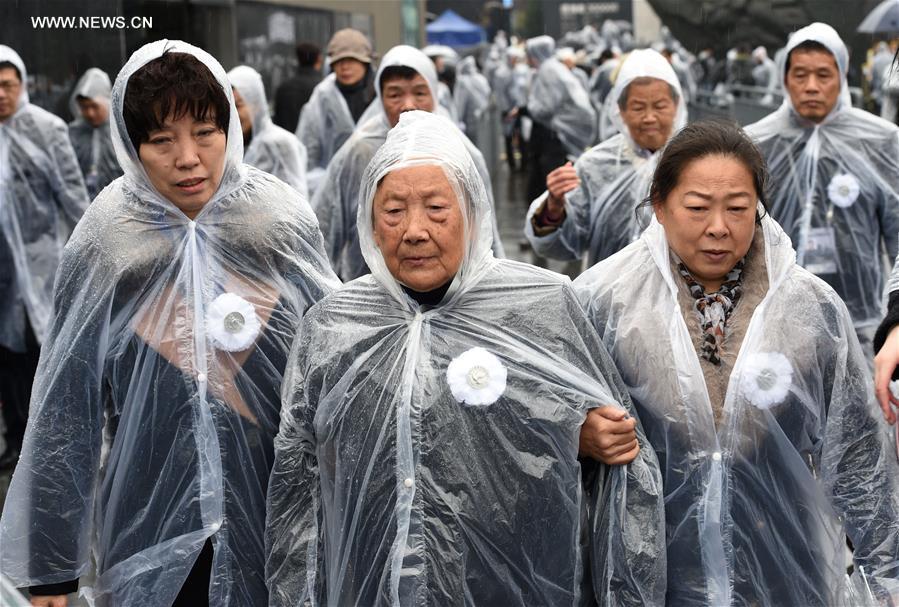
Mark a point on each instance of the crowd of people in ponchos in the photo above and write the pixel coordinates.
(277, 356)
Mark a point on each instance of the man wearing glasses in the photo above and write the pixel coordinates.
(42, 197)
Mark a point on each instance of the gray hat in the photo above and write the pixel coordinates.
(349, 44)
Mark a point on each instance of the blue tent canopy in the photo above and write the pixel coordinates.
(452, 30)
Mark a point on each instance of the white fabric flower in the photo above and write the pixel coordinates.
(476, 377)
(766, 378)
(232, 322)
(843, 190)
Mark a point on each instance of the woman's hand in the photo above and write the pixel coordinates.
(884, 364)
(608, 435)
(559, 182)
(59, 600)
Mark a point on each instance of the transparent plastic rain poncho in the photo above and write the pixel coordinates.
(766, 74)
(42, 197)
(603, 214)
(889, 101)
(566, 54)
(272, 149)
(681, 66)
(511, 80)
(93, 145)
(448, 103)
(325, 124)
(835, 190)
(880, 63)
(445, 96)
(755, 504)
(337, 200)
(389, 490)
(472, 97)
(522, 76)
(558, 100)
(157, 397)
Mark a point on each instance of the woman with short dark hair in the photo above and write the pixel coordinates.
(157, 397)
(750, 382)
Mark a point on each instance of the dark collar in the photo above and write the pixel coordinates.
(428, 298)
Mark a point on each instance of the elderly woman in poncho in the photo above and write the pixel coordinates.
(428, 451)
(156, 400)
(587, 210)
(754, 392)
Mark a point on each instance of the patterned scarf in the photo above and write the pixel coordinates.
(714, 309)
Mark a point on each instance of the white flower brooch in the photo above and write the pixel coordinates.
(476, 377)
(766, 379)
(232, 322)
(843, 190)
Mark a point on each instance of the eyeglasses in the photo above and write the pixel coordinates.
(10, 85)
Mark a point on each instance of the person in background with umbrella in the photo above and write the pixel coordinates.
(874, 71)
(883, 19)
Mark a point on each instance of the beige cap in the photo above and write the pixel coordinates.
(349, 44)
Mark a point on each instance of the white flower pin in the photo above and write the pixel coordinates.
(476, 377)
(766, 379)
(232, 322)
(843, 190)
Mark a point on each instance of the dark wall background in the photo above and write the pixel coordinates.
(231, 30)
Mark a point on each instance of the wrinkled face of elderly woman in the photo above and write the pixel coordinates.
(709, 217)
(648, 107)
(419, 227)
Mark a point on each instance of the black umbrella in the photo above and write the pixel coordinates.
(884, 18)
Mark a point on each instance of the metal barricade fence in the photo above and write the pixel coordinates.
(744, 104)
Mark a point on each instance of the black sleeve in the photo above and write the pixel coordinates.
(54, 589)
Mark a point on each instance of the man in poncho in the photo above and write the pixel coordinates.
(472, 99)
(834, 176)
(406, 81)
(89, 131)
(591, 209)
(42, 197)
(338, 103)
(149, 442)
(429, 438)
(510, 88)
(564, 119)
